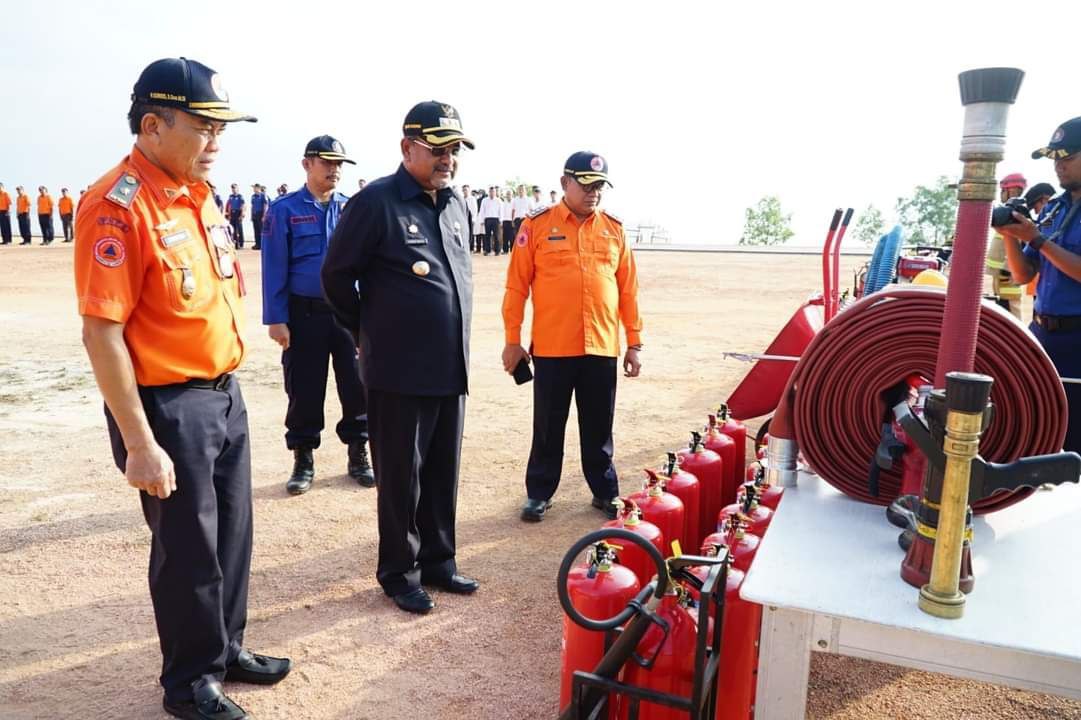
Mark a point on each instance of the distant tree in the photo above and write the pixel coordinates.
(869, 225)
(766, 224)
(928, 216)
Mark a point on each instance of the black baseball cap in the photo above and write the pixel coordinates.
(327, 148)
(1037, 191)
(1066, 140)
(587, 168)
(189, 86)
(435, 123)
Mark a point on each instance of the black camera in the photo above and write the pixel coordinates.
(1003, 214)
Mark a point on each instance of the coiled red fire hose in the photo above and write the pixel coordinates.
(834, 405)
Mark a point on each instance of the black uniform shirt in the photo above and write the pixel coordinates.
(412, 260)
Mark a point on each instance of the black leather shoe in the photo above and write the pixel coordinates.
(459, 584)
(416, 601)
(533, 510)
(259, 669)
(605, 506)
(208, 703)
(360, 468)
(303, 472)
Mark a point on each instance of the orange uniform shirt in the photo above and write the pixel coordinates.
(583, 281)
(158, 257)
(67, 207)
(45, 205)
(5, 201)
(22, 204)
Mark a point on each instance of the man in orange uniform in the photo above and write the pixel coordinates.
(67, 213)
(160, 293)
(575, 260)
(22, 212)
(5, 216)
(45, 215)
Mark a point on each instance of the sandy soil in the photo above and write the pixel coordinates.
(77, 636)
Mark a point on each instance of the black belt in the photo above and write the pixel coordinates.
(1057, 323)
(217, 383)
(312, 305)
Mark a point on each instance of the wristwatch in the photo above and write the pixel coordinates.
(635, 347)
(1037, 242)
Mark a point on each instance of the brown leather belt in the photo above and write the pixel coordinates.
(1057, 323)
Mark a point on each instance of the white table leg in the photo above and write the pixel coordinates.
(783, 665)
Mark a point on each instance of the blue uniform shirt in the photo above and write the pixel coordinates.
(259, 202)
(1056, 292)
(295, 235)
(235, 203)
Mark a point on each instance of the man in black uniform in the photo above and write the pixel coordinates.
(402, 241)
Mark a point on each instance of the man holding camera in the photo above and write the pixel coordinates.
(1053, 249)
(1006, 292)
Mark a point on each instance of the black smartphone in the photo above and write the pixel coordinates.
(522, 374)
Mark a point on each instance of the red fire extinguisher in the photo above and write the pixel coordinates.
(742, 545)
(670, 656)
(756, 516)
(724, 446)
(661, 508)
(768, 495)
(598, 589)
(629, 517)
(685, 486)
(738, 432)
(708, 467)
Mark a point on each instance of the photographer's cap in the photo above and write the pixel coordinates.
(186, 85)
(327, 148)
(1066, 140)
(587, 168)
(435, 123)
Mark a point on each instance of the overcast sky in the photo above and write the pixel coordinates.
(700, 108)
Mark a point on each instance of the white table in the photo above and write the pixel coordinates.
(827, 574)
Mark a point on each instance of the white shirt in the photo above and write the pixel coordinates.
(521, 206)
(491, 207)
(506, 211)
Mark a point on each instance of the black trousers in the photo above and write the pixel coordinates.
(416, 453)
(315, 340)
(257, 229)
(69, 230)
(592, 380)
(5, 228)
(508, 235)
(238, 228)
(45, 222)
(200, 553)
(24, 227)
(1062, 348)
(491, 235)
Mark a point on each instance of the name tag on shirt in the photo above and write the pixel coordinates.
(554, 238)
(411, 240)
(173, 239)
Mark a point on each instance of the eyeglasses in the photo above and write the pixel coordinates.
(592, 187)
(440, 151)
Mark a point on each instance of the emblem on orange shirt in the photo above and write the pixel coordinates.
(109, 251)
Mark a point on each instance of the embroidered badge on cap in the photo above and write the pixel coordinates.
(109, 251)
(597, 163)
(1059, 134)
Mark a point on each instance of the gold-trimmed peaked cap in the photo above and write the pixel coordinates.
(1065, 141)
(435, 123)
(327, 148)
(187, 85)
(587, 168)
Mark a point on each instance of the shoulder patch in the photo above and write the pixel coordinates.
(539, 211)
(616, 218)
(124, 190)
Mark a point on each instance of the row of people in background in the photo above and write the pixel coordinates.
(495, 219)
(44, 207)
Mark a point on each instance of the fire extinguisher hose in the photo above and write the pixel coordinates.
(837, 392)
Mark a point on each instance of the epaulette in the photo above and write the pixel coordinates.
(537, 212)
(124, 190)
(616, 218)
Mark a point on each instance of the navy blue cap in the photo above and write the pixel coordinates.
(435, 123)
(187, 85)
(1066, 140)
(587, 168)
(327, 148)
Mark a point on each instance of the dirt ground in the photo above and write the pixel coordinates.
(77, 637)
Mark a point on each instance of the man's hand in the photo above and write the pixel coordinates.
(631, 365)
(512, 355)
(150, 469)
(279, 333)
(1024, 229)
